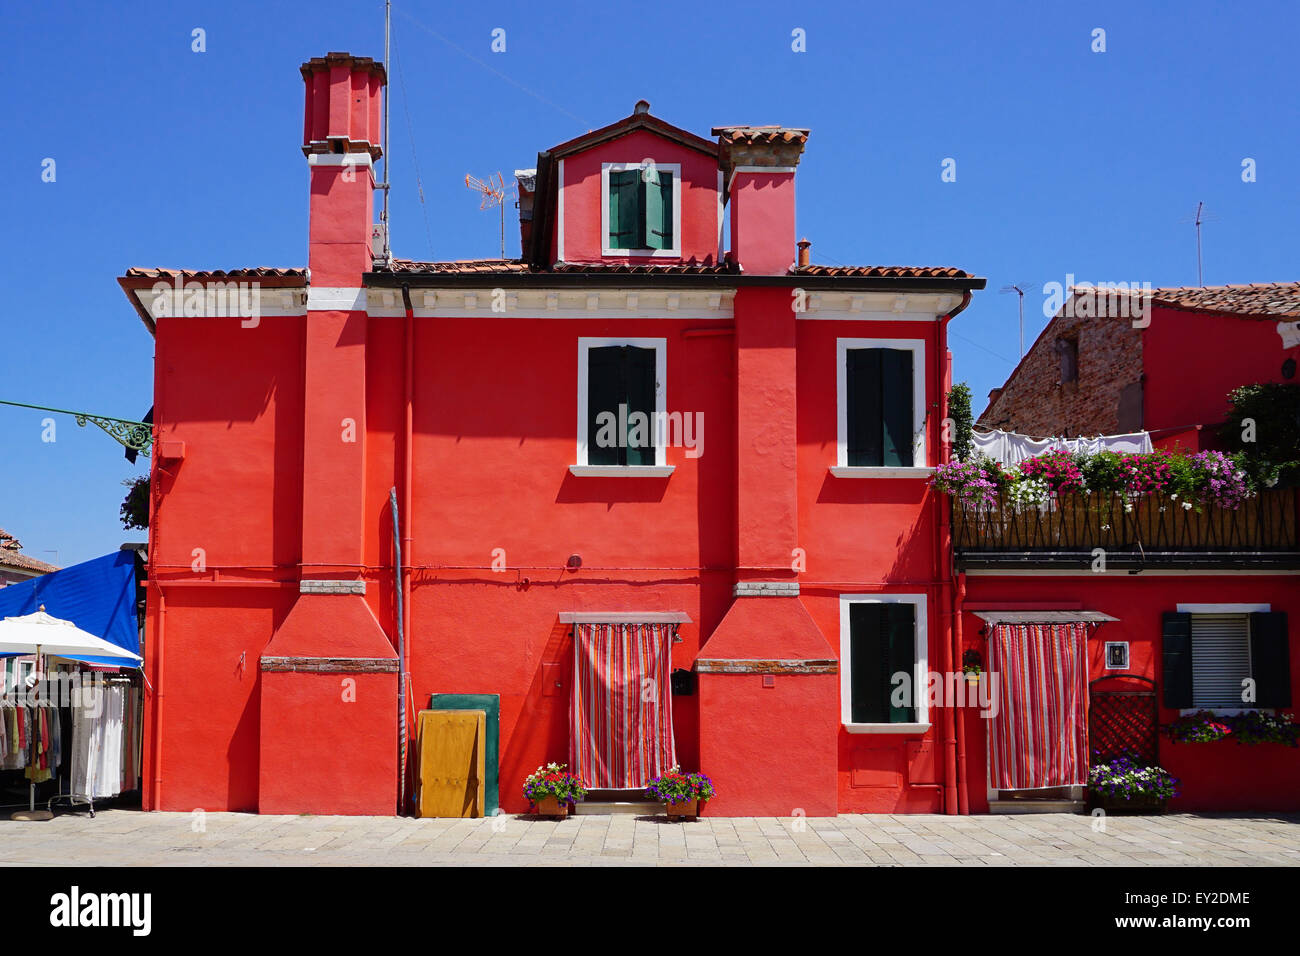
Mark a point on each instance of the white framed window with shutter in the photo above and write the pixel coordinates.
(1226, 658)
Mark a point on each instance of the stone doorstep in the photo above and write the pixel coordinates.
(640, 808)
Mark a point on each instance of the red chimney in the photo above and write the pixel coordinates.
(758, 164)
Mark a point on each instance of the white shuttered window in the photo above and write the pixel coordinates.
(1220, 659)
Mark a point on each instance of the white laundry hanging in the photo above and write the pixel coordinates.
(1011, 448)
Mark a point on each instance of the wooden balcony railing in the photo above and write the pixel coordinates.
(1072, 525)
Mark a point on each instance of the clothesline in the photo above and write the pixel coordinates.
(1011, 448)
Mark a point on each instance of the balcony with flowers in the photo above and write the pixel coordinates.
(1158, 509)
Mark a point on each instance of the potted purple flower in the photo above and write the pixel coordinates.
(552, 791)
(1124, 784)
(683, 794)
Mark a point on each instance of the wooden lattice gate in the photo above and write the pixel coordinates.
(1123, 718)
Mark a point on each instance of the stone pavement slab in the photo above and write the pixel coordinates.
(133, 838)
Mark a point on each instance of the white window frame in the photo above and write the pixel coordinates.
(842, 468)
(921, 670)
(676, 251)
(1224, 609)
(661, 468)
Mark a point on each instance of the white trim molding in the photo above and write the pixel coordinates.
(660, 468)
(322, 298)
(847, 471)
(676, 251)
(919, 370)
(920, 671)
(1224, 608)
(626, 302)
(340, 159)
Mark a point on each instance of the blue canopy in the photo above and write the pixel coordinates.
(99, 596)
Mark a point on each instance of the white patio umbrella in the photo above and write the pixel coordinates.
(45, 635)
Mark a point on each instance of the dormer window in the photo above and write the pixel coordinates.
(642, 209)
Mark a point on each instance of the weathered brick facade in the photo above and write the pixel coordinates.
(1105, 397)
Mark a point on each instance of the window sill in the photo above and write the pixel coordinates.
(887, 728)
(857, 471)
(621, 471)
(1226, 711)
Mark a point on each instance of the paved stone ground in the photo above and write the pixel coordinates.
(127, 838)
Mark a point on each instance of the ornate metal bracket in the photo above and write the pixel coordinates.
(131, 434)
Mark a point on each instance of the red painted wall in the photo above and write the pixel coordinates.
(1222, 776)
(1217, 353)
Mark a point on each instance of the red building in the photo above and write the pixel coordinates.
(660, 449)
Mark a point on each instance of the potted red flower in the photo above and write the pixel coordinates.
(552, 791)
(683, 794)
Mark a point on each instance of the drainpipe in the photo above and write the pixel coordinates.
(963, 787)
(955, 745)
(401, 658)
(157, 654)
(408, 457)
(950, 654)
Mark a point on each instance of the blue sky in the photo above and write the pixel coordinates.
(1068, 161)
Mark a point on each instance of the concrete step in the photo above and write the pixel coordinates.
(644, 808)
(1036, 806)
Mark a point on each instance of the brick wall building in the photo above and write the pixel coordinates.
(1107, 364)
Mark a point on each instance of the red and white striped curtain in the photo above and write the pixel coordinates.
(621, 717)
(1039, 737)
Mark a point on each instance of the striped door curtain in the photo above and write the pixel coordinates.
(1039, 737)
(621, 716)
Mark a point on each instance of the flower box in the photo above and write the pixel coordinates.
(552, 807)
(685, 810)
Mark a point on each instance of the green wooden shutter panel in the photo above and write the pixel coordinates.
(896, 403)
(604, 393)
(640, 397)
(658, 192)
(868, 659)
(863, 406)
(901, 623)
(1270, 659)
(1176, 649)
(625, 208)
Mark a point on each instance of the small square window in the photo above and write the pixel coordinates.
(642, 208)
(1117, 655)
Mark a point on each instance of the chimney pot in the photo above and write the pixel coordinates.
(642, 106)
(803, 245)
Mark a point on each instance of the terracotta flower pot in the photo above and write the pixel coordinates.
(686, 810)
(552, 807)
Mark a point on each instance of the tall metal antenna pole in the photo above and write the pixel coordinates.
(1020, 288)
(383, 216)
(1200, 280)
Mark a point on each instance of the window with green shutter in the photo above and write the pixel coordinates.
(640, 209)
(621, 405)
(880, 412)
(882, 643)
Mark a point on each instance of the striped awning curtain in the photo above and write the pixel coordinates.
(1039, 736)
(621, 716)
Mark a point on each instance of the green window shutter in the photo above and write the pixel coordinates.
(900, 622)
(1270, 659)
(868, 665)
(896, 402)
(1176, 649)
(863, 407)
(640, 397)
(658, 192)
(625, 208)
(605, 391)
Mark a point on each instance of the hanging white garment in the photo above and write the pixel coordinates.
(1011, 448)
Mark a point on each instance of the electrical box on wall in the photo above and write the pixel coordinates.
(682, 683)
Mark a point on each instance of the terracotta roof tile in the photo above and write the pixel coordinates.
(11, 558)
(760, 134)
(1262, 299)
(883, 272)
(255, 272)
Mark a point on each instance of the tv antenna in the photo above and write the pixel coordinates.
(1020, 288)
(383, 150)
(1199, 218)
(493, 192)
